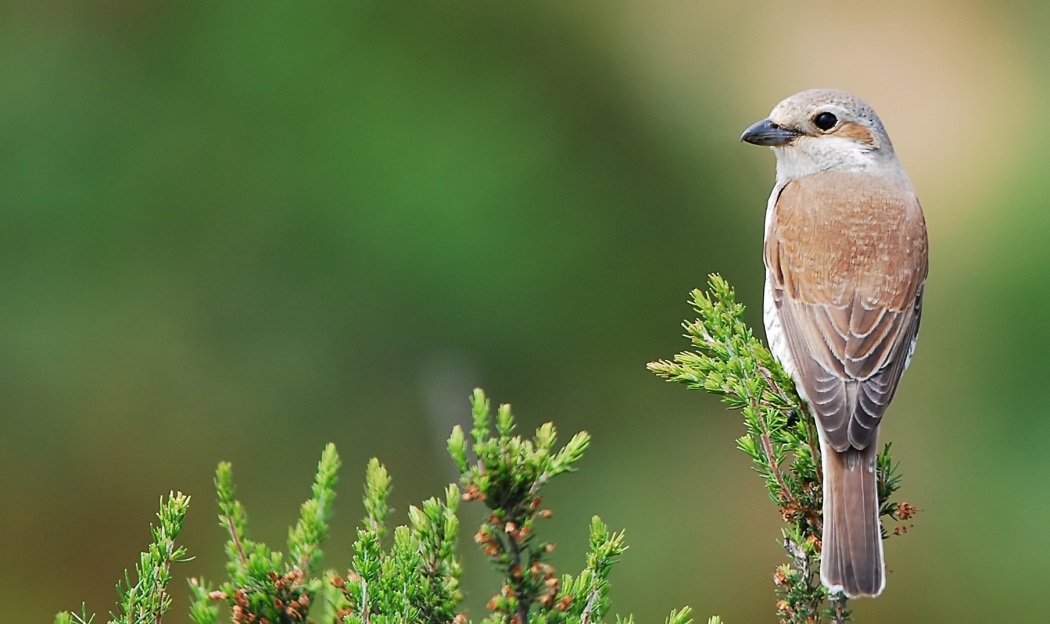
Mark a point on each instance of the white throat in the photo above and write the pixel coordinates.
(809, 155)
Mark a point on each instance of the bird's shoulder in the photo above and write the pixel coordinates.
(835, 235)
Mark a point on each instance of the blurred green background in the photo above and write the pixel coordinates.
(233, 231)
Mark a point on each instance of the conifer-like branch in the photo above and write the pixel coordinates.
(507, 474)
(147, 599)
(262, 584)
(413, 578)
(728, 360)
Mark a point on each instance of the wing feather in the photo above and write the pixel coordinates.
(847, 258)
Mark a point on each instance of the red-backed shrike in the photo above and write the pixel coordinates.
(846, 260)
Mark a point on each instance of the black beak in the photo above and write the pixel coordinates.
(768, 133)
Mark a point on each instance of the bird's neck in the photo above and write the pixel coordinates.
(808, 157)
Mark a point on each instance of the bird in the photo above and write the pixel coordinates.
(846, 260)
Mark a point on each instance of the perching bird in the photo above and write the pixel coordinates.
(846, 259)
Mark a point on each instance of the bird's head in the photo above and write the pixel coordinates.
(823, 130)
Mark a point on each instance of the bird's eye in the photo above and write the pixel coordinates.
(825, 121)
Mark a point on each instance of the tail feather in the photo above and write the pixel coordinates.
(851, 555)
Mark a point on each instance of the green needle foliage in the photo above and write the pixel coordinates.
(147, 599)
(263, 586)
(410, 575)
(507, 474)
(417, 578)
(728, 360)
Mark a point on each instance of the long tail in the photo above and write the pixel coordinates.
(851, 558)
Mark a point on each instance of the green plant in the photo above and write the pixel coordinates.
(728, 360)
(405, 576)
(508, 475)
(147, 599)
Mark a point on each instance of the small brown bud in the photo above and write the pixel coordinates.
(240, 597)
(905, 511)
(815, 541)
(473, 493)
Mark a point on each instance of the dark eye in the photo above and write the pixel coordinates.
(825, 121)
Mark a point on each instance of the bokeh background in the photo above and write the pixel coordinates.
(239, 232)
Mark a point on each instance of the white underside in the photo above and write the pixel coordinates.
(770, 314)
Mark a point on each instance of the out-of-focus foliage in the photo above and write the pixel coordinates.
(236, 233)
(415, 579)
